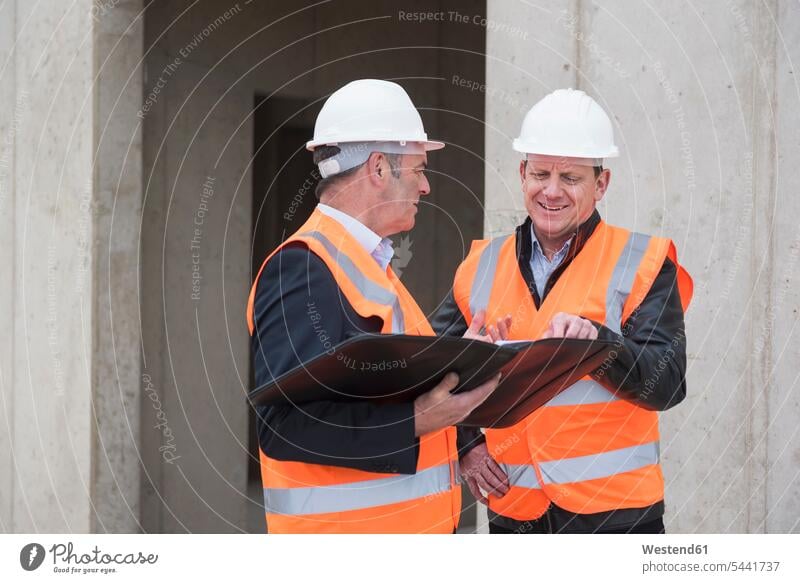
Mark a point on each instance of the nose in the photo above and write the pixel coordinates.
(425, 186)
(550, 187)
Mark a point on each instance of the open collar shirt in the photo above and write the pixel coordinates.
(379, 248)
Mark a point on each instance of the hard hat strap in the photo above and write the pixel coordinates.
(352, 154)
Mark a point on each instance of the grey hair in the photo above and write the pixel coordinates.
(324, 152)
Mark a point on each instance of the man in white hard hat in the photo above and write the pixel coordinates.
(588, 461)
(354, 467)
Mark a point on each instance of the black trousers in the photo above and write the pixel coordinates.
(543, 526)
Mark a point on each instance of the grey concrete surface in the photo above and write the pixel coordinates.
(117, 164)
(122, 378)
(70, 175)
(704, 101)
(9, 124)
(49, 435)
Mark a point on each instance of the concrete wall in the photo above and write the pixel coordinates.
(117, 463)
(7, 206)
(705, 101)
(104, 175)
(69, 368)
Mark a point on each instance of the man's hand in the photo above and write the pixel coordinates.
(439, 408)
(481, 472)
(493, 333)
(570, 326)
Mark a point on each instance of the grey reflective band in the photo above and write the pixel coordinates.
(484, 275)
(366, 287)
(358, 495)
(601, 465)
(352, 154)
(587, 467)
(583, 392)
(521, 476)
(619, 288)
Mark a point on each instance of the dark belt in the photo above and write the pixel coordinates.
(558, 520)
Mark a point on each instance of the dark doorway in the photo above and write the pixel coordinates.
(284, 176)
(442, 67)
(297, 53)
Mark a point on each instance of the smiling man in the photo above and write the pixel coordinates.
(588, 461)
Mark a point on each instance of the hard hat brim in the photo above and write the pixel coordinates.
(528, 148)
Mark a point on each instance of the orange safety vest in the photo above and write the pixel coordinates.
(586, 450)
(311, 498)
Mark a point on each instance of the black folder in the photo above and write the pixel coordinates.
(399, 368)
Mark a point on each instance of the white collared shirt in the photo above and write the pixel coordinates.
(380, 249)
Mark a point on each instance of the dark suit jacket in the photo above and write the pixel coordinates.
(299, 313)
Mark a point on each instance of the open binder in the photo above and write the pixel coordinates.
(398, 368)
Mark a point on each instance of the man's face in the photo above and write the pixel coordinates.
(560, 194)
(398, 207)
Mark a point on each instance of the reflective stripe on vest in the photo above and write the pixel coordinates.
(484, 275)
(366, 287)
(521, 476)
(621, 284)
(619, 287)
(358, 495)
(583, 392)
(599, 465)
(587, 467)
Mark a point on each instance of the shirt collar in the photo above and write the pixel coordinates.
(538, 250)
(380, 249)
(525, 237)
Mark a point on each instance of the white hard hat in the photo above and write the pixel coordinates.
(370, 110)
(567, 123)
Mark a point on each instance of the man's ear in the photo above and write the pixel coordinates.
(378, 169)
(601, 184)
(522, 167)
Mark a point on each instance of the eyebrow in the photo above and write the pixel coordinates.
(570, 170)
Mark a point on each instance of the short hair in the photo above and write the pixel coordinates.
(322, 153)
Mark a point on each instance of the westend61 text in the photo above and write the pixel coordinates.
(673, 550)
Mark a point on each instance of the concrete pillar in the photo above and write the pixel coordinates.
(781, 489)
(69, 197)
(10, 115)
(527, 56)
(705, 111)
(117, 382)
(195, 273)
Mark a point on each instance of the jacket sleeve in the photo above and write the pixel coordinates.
(299, 313)
(650, 364)
(449, 321)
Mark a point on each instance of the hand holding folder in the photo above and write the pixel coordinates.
(399, 368)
